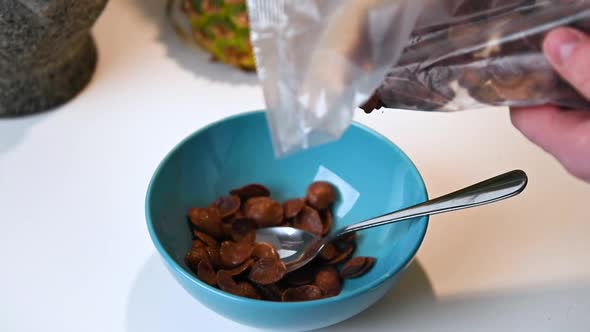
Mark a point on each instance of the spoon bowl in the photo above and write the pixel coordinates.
(290, 242)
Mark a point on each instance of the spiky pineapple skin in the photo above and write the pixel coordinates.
(221, 27)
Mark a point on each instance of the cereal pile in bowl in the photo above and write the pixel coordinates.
(224, 253)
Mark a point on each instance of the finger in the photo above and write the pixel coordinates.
(568, 50)
(564, 134)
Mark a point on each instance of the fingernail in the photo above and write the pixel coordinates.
(564, 47)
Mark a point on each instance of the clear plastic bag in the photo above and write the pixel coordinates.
(318, 60)
(485, 53)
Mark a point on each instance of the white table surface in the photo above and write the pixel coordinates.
(76, 253)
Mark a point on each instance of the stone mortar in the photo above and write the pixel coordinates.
(47, 55)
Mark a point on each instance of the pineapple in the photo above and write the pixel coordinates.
(221, 28)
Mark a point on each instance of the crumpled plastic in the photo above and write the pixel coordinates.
(319, 60)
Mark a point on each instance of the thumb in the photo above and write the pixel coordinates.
(568, 50)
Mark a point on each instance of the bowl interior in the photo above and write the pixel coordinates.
(372, 177)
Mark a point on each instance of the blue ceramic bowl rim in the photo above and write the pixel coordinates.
(288, 305)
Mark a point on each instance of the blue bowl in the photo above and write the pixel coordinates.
(372, 176)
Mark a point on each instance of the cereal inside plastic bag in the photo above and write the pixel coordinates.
(318, 60)
(469, 54)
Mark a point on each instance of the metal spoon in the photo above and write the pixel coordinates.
(297, 247)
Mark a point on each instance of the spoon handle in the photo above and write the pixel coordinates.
(492, 190)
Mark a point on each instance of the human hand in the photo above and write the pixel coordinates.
(563, 134)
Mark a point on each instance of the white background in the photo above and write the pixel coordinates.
(76, 255)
